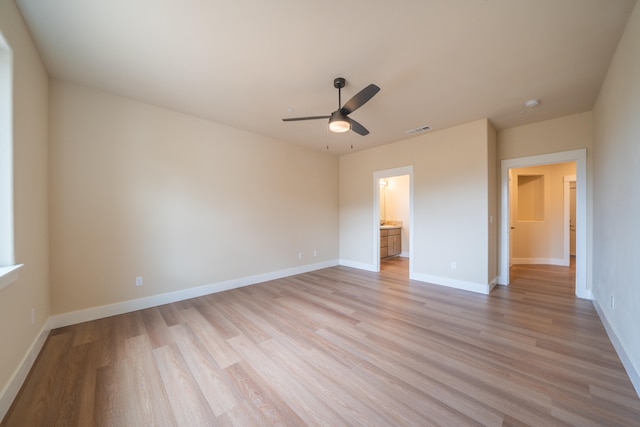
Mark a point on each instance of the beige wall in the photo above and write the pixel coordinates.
(31, 290)
(617, 204)
(551, 136)
(137, 190)
(542, 242)
(450, 192)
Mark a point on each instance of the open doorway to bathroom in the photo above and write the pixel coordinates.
(393, 220)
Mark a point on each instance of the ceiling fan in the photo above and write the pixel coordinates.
(338, 120)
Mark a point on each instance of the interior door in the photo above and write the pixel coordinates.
(512, 210)
(572, 218)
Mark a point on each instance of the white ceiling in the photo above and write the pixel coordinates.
(244, 63)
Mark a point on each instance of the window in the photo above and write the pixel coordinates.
(8, 271)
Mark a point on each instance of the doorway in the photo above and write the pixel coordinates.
(577, 156)
(539, 214)
(570, 218)
(384, 212)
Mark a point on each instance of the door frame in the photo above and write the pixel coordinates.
(578, 156)
(566, 228)
(377, 176)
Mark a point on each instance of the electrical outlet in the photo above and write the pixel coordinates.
(299, 255)
(612, 302)
(33, 316)
(139, 281)
(454, 265)
(315, 252)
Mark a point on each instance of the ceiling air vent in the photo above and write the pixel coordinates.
(419, 130)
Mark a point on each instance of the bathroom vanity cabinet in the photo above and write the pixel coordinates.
(390, 241)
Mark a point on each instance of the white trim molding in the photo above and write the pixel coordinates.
(11, 389)
(547, 261)
(566, 217)
(481, 288)
(359, 265)
(93, 313)
(8, 275)
(578, 156)
(377, 176)
(633, 374)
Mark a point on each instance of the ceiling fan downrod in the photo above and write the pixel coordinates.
(339, 83)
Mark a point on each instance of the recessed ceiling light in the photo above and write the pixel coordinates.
(532, 103)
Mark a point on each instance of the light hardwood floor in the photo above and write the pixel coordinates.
(339, 347)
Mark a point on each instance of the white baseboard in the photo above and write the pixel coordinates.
(482, 288)
(584, 294)
(358, 265)
(12, 388)
(365, 266)
(493, 283)
(547, 261)
(14, 384)
(436, 280)
(79, 316)
(633, 374)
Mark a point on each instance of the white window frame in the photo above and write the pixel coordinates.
(8, 267)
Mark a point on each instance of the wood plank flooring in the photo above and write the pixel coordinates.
(339, 347)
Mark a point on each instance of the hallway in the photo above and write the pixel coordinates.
(546, 279)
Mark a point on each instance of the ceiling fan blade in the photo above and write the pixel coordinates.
(296, 119)
(360, 98)
(358, 128)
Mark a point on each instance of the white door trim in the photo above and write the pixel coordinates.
(578, 156)
(566, 195)
(377, 176)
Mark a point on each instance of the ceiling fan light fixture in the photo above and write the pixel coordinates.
(339, 123)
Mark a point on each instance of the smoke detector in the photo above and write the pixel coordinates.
(532, 103)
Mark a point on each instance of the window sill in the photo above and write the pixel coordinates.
(8, 275)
